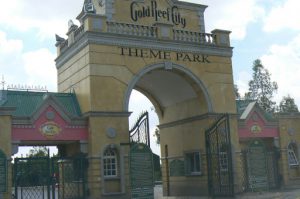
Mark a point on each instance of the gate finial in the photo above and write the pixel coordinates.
(3, 82)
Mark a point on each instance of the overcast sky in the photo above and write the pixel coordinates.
(264, 29)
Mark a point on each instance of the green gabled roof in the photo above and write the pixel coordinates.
(28, 102)
(242, 106)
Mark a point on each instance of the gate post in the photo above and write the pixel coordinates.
(5, 143)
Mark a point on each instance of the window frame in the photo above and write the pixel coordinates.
(110, 163)
(292, 155)
(193, 164)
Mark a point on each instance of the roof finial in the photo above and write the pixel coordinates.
(3, 82)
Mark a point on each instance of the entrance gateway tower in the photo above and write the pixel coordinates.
(161, 49)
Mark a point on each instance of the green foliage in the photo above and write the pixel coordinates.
(236, 92)
(261, 88)
(38, 151)
(157, 135)
(157, 167)
(287, 105)
(31, 172)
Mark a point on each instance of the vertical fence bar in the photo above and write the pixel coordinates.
(15, 177)
(167, 169)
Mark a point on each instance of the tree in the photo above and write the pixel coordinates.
(261, 88)
(287, 105)
(38, 151)
(157, 135)
(236, 92)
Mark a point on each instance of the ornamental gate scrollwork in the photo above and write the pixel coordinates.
(140, 131)
(219, 158)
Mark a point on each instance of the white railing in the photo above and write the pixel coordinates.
(78, 32)
(195, 37)
(64, 45)
(149, 32)
(131, 29)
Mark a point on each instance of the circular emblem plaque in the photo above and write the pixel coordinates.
(50, 115)
(111, 132)
(255, 128)
(291, 131)
(50, 129)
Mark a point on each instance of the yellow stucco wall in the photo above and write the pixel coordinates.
(289, 128)
(5, 146)
(104, 69)
(100, 74)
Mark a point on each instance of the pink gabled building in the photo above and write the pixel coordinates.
(269, 147)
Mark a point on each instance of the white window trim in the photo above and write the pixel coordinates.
(110, 157)
(292, 161)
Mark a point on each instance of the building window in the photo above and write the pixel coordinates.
(293, 155)
(193, 163)
(110, 163)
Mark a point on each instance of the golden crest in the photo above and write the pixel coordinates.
(50, 129)
(255, 128)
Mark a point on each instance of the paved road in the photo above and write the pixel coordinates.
(281, 194)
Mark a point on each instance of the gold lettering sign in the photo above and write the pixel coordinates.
(50, 129)
(165, 55)
(140, 10)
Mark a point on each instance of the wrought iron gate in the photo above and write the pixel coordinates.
(32, 178)
(260, 172)
(49, 178)
(140, 131)
(219, 158)
(141, 160)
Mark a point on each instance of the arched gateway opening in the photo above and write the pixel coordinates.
(159, 48)
(167, 84)
(177, 95)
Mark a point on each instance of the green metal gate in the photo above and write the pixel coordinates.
(141, 160)
(140, 131)
(32, 178)
(49, 178)
(260, 166)
(72, 178)
(219, 159)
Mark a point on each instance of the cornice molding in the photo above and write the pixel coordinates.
(192, 119)
(106, 114)
(113, 39)
(7, 111)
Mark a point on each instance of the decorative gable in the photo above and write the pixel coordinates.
(48, 116)
(254, 122)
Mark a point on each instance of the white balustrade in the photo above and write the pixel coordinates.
(149, 32)
(131, 29)
(194, 37)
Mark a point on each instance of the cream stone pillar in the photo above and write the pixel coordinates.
(283, 152)
(5, 147)
(93, 22)
(164, 30)
(108, 130)
(222, 37)
(236, 155)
